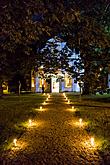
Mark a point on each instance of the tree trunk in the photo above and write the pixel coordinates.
(86, 88)
(87, 81)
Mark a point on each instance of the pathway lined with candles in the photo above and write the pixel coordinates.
(55, 137)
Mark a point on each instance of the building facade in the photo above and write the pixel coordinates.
(57, 82)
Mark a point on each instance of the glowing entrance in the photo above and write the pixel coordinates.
(54, 85)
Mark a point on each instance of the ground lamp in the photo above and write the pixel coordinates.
(30, 122)
(80, 121)
(15, 142)
(68, 102)
(92, 141)
(44, 103)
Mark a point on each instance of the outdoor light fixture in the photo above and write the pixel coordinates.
(44, 103)
(92, 141)
(40, 107)
(68, 102)
(44, 94)
(14, 142)
(80, 121)
(72, 107)
(47, 99)
(30, 122)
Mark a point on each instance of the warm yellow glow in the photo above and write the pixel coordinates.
(64, 94)
(44, 103)
(66, 98)
(30, 122)
(92, 141)
(68, 81)
(80, 121)
(72, 107)
(47, 99)
(32, 82)
(48, 96)
(44, 94)
(40, 107)
(68, 102)
(15, 142)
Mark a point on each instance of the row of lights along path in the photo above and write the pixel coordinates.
(55, 137)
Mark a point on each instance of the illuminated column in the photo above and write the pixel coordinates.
(33, 88)
(37, 84)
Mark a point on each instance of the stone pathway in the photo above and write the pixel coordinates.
(55, 139)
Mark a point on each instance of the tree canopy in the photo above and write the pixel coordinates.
(28, 24)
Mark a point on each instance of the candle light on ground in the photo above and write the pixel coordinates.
(68, 102)
(30, 122)
(80, 121)
(40, 107)
(44, 103)
(92, 141)
(15, 142)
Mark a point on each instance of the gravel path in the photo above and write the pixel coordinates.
(54, 140)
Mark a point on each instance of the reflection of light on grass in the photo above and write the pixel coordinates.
(19, 145)
(90, 143)
(29, 123)
(71, 110)
(40, 109)
(79, 123)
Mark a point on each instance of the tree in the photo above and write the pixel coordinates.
(34, 22)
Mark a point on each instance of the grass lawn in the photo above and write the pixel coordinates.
(15, 110)
(95, 110)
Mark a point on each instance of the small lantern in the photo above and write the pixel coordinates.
(15, 142)
(80, 121)
(30, 122)
(92, 141)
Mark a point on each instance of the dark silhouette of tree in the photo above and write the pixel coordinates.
(30, 23)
